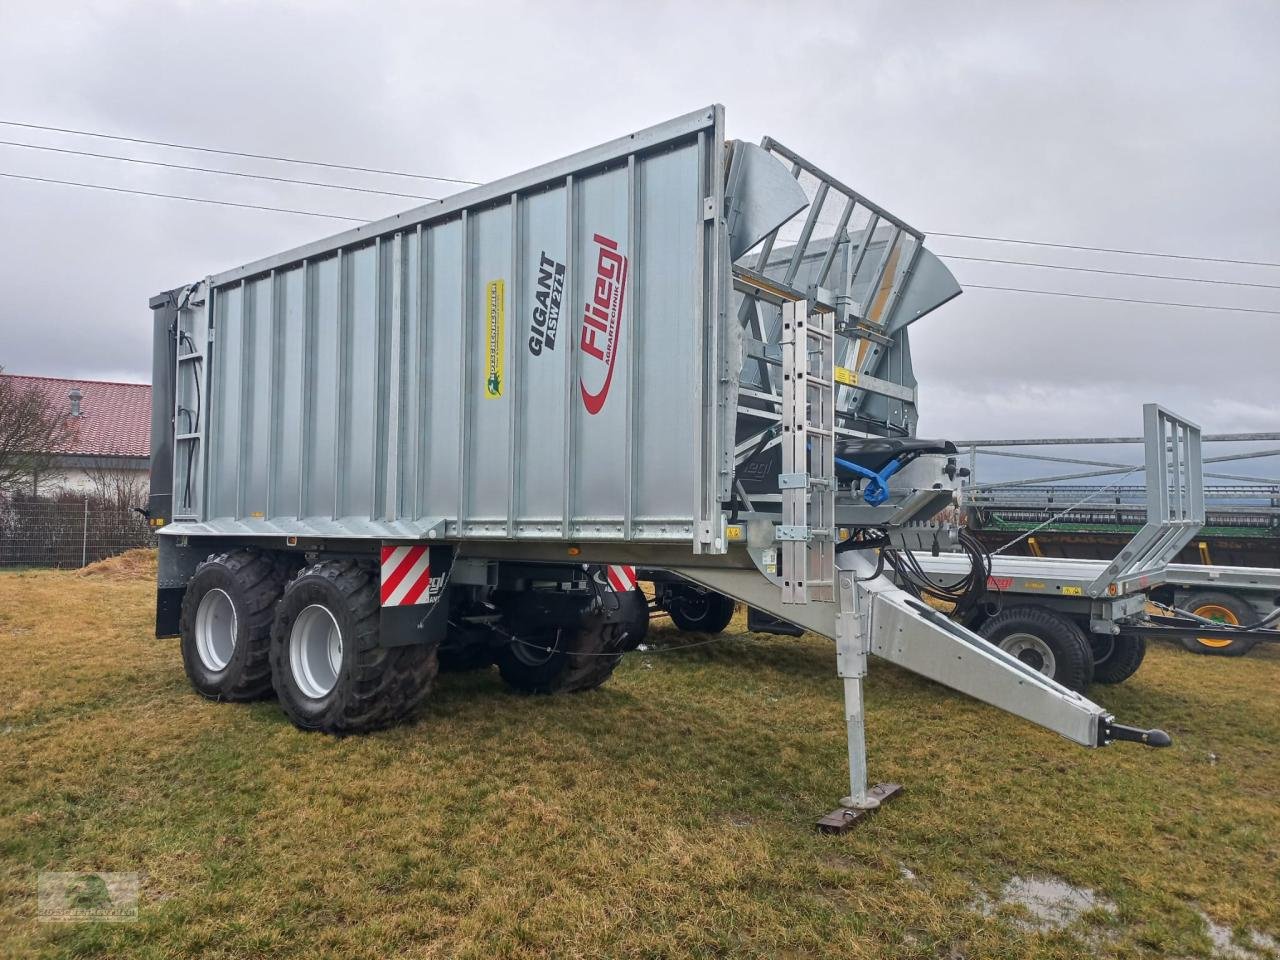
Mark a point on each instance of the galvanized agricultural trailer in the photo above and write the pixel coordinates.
(1234, 605)
(459, 429)
(1080, 621)
(1210, 609)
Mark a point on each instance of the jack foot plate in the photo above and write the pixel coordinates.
(845, 818)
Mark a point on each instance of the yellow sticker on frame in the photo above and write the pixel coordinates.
(495, 322)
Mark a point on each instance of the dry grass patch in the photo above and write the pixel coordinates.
(667, 814)
(139, 564)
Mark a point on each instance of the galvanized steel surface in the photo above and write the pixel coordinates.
(541, 358)
(557, 356)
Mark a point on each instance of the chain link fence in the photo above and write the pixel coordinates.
(68, 531)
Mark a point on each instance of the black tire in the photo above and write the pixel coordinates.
(637, 622)
(571, 658)
(288, 565)
(1124, 657)
(700, 611)
(465, 650)
(1228, 609)
(249, 583)
(373, 686)
(1066, 642)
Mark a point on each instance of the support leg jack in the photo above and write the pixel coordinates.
(851, 661)
(875, 616)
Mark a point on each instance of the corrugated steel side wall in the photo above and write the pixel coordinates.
(395, 379)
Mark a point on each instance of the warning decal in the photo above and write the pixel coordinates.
(620, 578)
(406, 576)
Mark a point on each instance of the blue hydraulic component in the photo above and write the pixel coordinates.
(877, 491)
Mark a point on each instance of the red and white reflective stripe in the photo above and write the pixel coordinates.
(621, 578)
(406, 575)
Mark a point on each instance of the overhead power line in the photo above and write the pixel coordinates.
(1090, 296)
(234, 153)
(422, 176)
(1074, 246)
(175, 196)
(337, 216)
(1112, 273)
(474, 183)
(225, 173)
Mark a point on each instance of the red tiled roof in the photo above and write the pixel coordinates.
(114, 421)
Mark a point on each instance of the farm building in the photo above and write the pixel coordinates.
(108, 440)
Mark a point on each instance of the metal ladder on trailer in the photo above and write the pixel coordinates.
(190, 370)
(808, 481)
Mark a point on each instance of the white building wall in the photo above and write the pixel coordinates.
(77, 480)
(130, 479)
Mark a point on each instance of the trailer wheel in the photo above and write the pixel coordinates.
(637, 624)
(570, 658)
(1044, 641)
(327, 667)
(1122, 662)
(225, 625)
(466, 649)
(1221, 608)
(700, 611)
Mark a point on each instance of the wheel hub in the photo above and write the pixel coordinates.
(1032, 651)
(1217, 614)
(315, 651)
(695, 606)
(215, 630)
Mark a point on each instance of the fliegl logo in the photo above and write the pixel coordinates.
(601, 325)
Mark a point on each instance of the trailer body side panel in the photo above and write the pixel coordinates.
(530, 359)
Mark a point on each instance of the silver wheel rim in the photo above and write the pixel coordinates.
(315, 651)
(1032, 651)
(215, 630)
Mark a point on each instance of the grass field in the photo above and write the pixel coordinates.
(668, 814)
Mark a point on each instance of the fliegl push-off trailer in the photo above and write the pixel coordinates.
(455, 432)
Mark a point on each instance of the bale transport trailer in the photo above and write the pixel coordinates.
(1080, 621)
(1076, 620)
(463, 426)
(1218, 610)
(1235, 607)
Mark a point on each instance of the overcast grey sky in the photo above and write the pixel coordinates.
(1151, 126)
